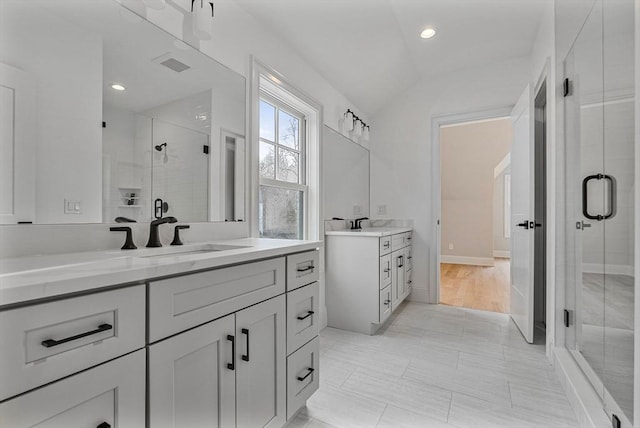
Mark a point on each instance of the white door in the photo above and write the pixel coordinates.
(260, 358)
(17, 146)
(192, 378)
(522, 205)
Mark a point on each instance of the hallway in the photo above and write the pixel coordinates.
(436, 366)
(476, 287)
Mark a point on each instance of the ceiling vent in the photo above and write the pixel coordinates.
(169, 61)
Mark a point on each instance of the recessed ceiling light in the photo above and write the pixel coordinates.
(117, 87)
(428, 33)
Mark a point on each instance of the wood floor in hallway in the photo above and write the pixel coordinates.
(476, 287)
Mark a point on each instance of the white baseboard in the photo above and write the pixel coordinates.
(502, 254)
(584, 400)
(612, 269)
(461, 260)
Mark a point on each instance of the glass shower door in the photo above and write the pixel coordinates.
(618, 120)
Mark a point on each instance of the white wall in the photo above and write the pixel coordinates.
(401, 146)
(66, 68)
(469, 153)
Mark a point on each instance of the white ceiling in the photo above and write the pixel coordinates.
(371, 51)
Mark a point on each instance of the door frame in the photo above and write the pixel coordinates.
(436, 187)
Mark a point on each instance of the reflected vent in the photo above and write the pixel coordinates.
(175, 65)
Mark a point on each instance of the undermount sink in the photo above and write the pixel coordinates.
(186, 250)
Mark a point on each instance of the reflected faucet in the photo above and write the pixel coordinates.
(154, 237)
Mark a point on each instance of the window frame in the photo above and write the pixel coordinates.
(303, 179)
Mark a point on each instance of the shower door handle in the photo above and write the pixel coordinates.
(612, 197)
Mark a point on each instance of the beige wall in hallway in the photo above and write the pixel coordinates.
(469, 154)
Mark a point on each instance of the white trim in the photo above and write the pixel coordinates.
(504, 164)
(607, 269)
(419, 295)
(586, 403)
(437, 122)
(462, 260)
(502, 254)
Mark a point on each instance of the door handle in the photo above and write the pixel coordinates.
(232, 364)
(612, 197)
(524, 224)
(245, 357)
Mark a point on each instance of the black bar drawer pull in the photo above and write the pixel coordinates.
(104, 425)
(246, 356)
(309, 313)
(386, 244)
(310, 370)
(52, 342)
(306, 269)
(232, 364)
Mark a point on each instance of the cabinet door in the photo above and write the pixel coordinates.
(261, 363)
(385, 271)
(408, 267)
(110, 395)
(385, 304)
(192, 378)
(397, 280)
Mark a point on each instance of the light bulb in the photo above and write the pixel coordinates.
(357, 130)
(348, 121)
(365, 133)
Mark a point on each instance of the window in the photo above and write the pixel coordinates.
(283, 189)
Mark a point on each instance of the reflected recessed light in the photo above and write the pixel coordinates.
(428, 33)
(117, 87)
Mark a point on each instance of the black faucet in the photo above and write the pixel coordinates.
(176, 234)
(357, 223)
(128, 243)
(154, 238)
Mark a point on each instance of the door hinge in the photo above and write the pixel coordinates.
(205, 149)
(566, 87)
(567, 318)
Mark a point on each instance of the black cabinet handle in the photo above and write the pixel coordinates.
(306, 269)
(309, 313)
(246, 356)
(386, 302)
(310, 370)
(387, 270)
(52, 342)
(104, 425)
(386, 245)
(232, 364)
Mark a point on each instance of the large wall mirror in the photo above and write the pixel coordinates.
(346, 176)
(105, 117)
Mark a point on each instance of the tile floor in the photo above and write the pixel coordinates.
(436, 366)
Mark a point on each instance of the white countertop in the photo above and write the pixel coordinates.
(369, 231)
(37, 277)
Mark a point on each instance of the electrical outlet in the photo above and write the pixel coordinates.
(450, 245)
(381, 210)
(72, 206)
(357, 210)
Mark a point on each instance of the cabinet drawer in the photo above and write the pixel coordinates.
(409, 260)
(302, 269)
(112, 393)
(176, 304)
(408, 238)
(385, 271)
(385, 245)
(303, 375)
(397, 241)
(385, 304)
(44, 342)
(303, 316)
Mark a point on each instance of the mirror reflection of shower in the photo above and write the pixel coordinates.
(163, 148)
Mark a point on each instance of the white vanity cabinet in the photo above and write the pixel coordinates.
(368, 276)
(228, 372)
(216, 347)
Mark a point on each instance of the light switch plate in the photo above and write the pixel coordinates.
(382, 210)
(357, 210)
(72, 206)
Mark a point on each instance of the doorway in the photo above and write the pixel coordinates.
(475, 251)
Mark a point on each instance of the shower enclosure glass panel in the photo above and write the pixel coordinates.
(599, 117)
